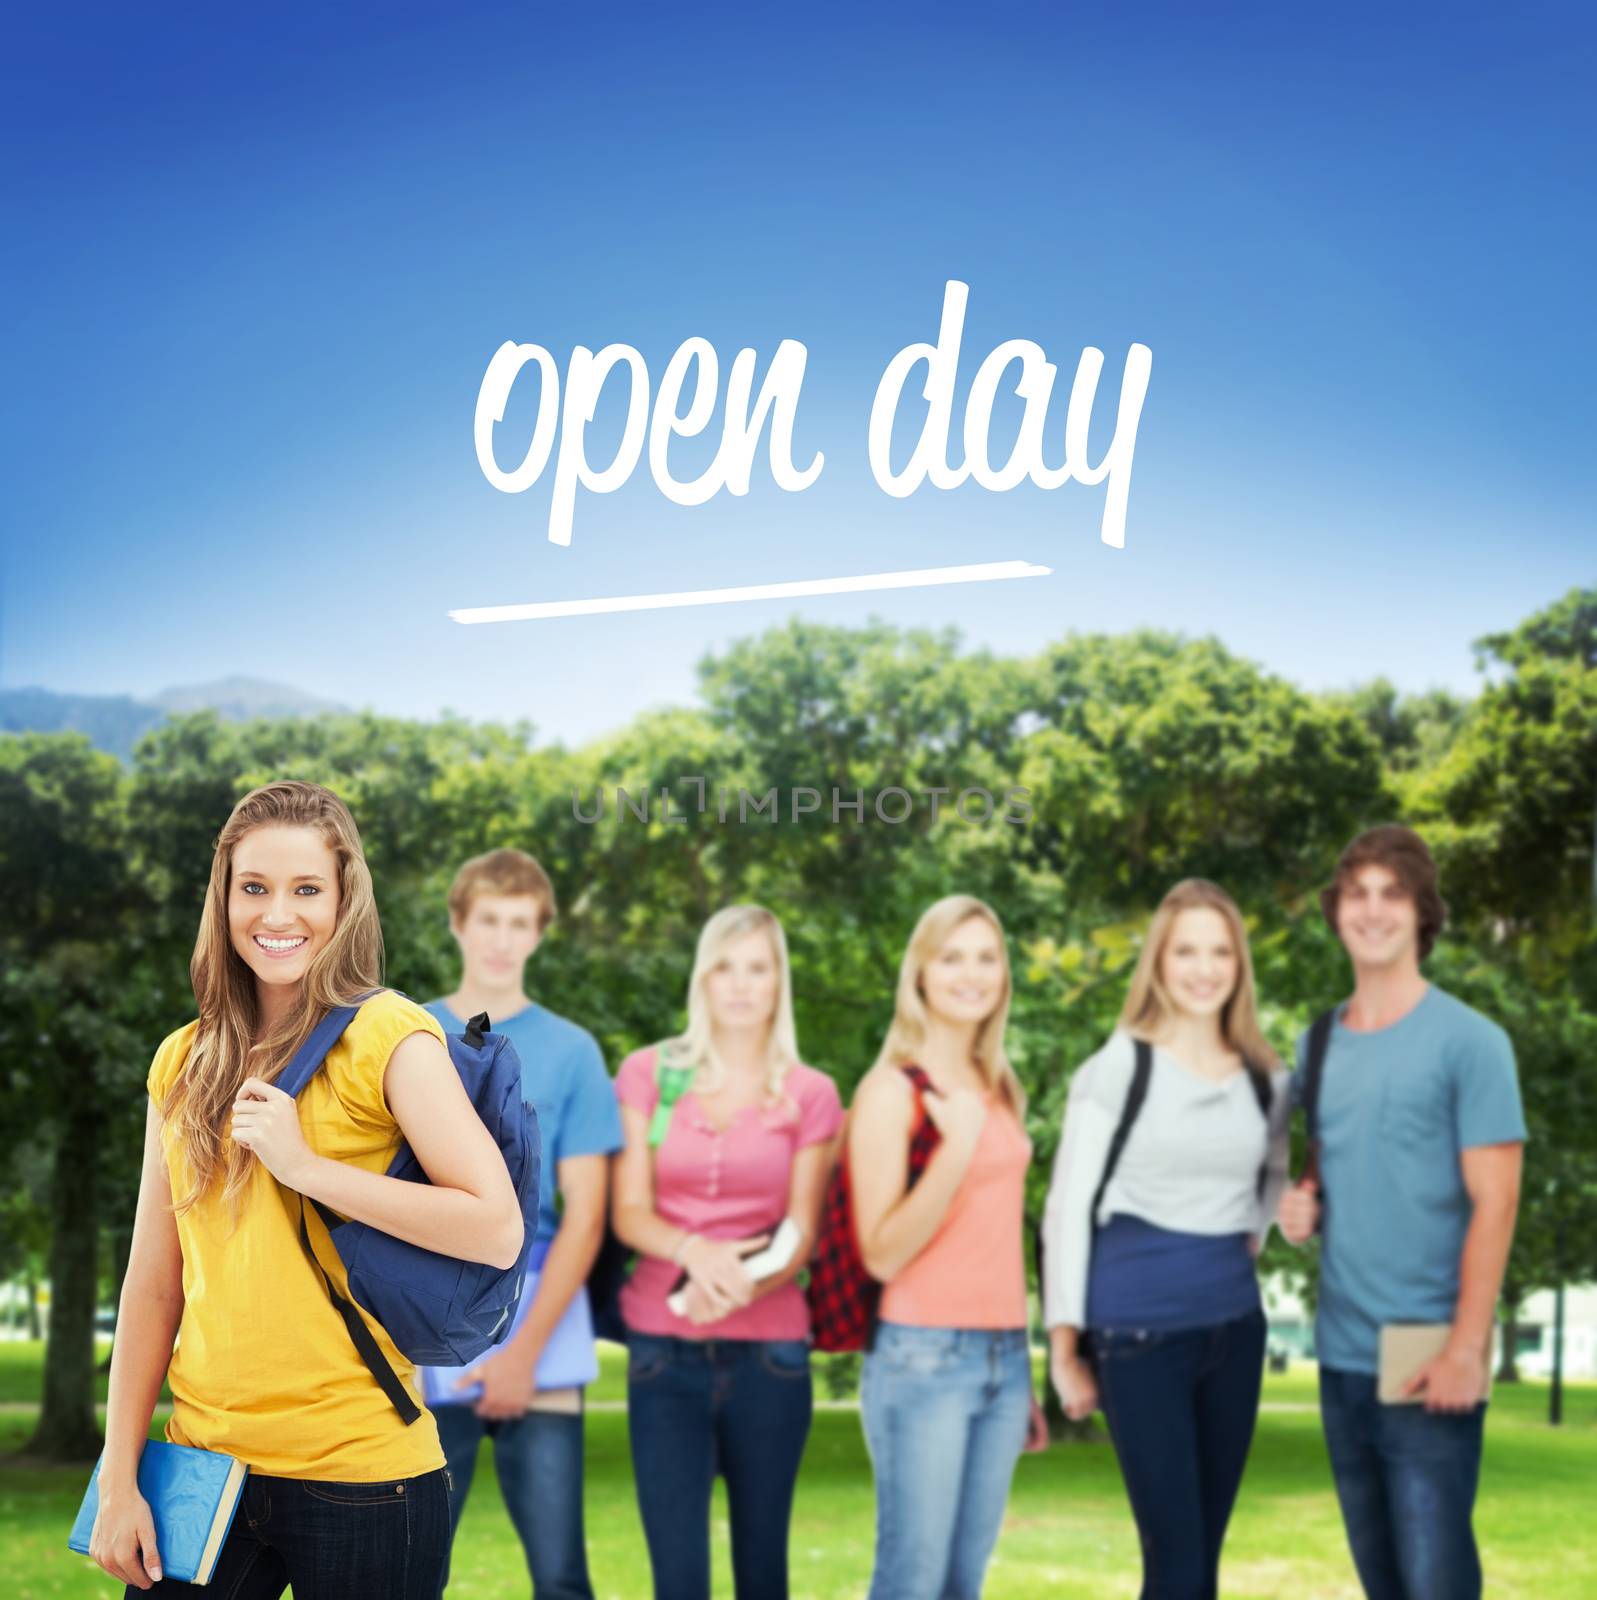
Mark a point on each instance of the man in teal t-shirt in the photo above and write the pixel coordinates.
(527, 1394)
(1421, 1135)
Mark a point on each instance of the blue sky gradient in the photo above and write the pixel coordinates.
(259, 261)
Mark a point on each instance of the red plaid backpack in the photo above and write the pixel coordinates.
(843, 1296)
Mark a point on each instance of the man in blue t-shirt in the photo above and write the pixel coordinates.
(1421, 1136)
(527, 1394)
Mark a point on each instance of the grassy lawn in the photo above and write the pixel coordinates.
(1068, 1532)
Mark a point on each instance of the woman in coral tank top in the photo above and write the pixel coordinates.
(946, 1395)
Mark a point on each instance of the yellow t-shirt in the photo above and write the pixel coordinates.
(264, 1368)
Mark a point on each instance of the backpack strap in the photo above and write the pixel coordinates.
(922, 1086)
(1136, 1093)
(923, 1140)
(615, 1262)
(1313, 1075)
(1259, 1082)
(923, 1135)
(306, 1062)
(1264, 1093)
(366, 1347)
(302, 1067)
(673, 1083)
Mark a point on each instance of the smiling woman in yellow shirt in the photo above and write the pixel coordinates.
(343, 1499)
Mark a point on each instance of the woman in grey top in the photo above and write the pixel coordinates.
(1150, 1292)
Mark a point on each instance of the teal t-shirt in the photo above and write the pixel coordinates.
(1396, 1108)
(564, 1077)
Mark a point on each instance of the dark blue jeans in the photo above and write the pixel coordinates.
(332, 1541)
(539, 1461)
(1181, 1409)
(1406, 1478)
(739, 1408)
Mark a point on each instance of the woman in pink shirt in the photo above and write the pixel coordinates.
(727, 1134)
(946, 1394)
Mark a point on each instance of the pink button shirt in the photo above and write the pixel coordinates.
(725, 1185)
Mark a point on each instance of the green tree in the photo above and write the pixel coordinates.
(70, 931)
(1159, 758)
(1412, 730)
(803, 707)
(1563, 631)
(1147, 758)
(1555, 1046)
(25, 1230)
(1512, 807)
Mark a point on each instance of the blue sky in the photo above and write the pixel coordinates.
(259, 262)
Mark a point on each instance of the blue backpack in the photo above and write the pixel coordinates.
(438, 1310)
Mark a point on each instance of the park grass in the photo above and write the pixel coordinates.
(1067, 1534)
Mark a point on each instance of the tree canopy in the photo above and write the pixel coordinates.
(1144, 758)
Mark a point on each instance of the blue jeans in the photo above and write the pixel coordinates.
(1181, 1408)
(539, 1461)
(332, 1541)
(739, 1408)
(1406, 1478)
(945, 1413)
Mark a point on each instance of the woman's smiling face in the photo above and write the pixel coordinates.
(1199, 966)
(964, 982)
(282, 901)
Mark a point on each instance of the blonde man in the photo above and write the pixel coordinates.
(527, 1395)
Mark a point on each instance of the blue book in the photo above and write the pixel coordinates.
(192, 1495)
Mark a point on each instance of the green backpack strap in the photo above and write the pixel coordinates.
(674, 1082)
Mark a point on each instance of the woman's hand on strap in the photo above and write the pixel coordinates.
(1299, 1213)
(266, 1123)
(959, 1117)
(468, 1207)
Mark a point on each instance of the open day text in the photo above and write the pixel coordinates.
(777, 401)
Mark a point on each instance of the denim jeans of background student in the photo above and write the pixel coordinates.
(538, 1458)
(331, 1541)
(1181, 1408)
(737, 1408)
(1406, 1478)
(945, 1413)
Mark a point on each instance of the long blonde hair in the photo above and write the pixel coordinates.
(1148, 1004)
(225, 1050)
(906, 1035)
(696, 1046)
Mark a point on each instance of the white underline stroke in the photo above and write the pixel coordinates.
(925, 578)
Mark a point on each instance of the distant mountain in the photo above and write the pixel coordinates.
(238, 699)
(116, 722)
